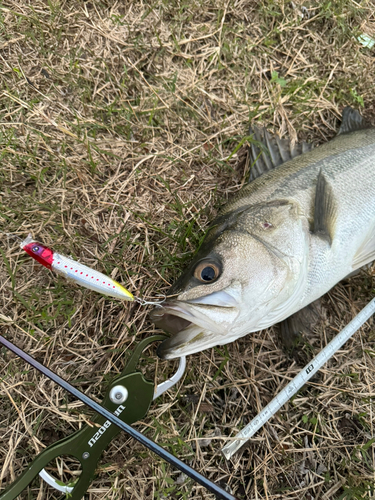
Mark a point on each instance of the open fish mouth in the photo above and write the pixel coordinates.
(191, 328)
(168, 321)
(174, 320)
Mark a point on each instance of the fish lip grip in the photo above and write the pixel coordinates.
(129, 396)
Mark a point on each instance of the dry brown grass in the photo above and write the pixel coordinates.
(118, 124)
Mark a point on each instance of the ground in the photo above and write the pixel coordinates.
(124, 126)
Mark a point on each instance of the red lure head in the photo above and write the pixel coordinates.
(38, 251)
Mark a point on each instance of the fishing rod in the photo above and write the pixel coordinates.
(114, 419)
(299, 380)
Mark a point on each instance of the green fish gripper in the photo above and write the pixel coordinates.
(129, 396)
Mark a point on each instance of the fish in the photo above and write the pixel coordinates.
(304, 222)
(75, 271)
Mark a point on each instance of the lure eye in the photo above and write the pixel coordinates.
(35, 249)
(207, 272)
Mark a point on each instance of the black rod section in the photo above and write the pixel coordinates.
(209, 485)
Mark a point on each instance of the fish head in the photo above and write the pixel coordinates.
(249, 264)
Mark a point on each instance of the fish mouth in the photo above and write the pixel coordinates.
(168, 321)
(188, 341)
(173, 320)
(191, 327)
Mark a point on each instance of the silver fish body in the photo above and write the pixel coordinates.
(286, 239)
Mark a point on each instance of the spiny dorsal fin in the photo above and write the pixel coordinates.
(269, 151)
(324, 209)
(351, 120)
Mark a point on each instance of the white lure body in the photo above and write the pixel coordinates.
(75, 271)
(89, 278)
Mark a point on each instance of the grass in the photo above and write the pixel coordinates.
(123, 127)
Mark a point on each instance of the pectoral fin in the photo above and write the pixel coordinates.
(324, 209)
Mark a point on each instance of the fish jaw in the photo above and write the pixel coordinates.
(195, 326)
(217, 319)
(189, 341)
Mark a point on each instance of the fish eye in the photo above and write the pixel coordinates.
(35, 249)
(207, 272)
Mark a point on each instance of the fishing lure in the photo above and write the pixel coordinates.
(71, 269)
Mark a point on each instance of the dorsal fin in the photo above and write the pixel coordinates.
(351, 120)
(269, 151)
(324, 209)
